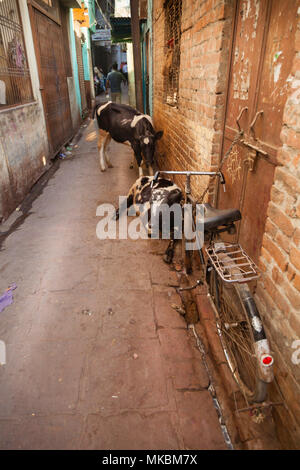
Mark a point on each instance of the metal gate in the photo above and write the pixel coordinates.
(258, 84)
(49, 44)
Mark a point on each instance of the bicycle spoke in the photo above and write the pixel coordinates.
(237, 342)
(236, 332)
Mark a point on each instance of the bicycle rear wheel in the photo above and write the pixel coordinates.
(243, 351)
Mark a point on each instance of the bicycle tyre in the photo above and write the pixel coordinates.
(239, 345)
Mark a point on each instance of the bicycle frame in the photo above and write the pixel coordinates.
(188, 175)
(188, 198)
(261, 344)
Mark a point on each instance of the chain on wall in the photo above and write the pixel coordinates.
(173, 9)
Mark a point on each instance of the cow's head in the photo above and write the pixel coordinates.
(147, 143)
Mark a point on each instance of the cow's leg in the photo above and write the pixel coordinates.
(138, 156)
(105, 145)
(124, 206)
(169, 253)
(151, 172)
(139, 161)
(101, 140)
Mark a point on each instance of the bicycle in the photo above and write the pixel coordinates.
(227, 271)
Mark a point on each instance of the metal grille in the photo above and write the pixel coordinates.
(232, 263)
(173, 10)
(15, 83)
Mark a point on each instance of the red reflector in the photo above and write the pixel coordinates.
(267, 360)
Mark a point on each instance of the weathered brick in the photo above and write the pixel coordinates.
(296, 281)
(276, 253)
(277, 275)
(277, 196)
(283, 241)
(292, 294)
(280, 219)
(290, 137)
(296, 161)
(284, 156)
(210, 17)
(277, 296)
(271, 229)
(266, 255)
(296, 237)
(295, 323)
(295, 257)
(290, 181)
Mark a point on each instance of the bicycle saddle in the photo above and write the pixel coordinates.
(213, 218)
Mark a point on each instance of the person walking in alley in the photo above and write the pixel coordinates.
(114, 80)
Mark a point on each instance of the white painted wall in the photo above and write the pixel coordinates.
(131, 83)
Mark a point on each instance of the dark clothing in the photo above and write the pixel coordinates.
(115, 78)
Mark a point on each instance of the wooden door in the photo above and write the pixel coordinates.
(49, 44)
(261, 60)
(148, 52)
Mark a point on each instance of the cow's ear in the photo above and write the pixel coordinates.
(158, 135)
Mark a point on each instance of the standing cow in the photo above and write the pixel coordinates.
(124, 123)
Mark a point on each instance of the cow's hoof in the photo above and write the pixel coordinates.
(131, 166)
(110, 165)
(102, 169)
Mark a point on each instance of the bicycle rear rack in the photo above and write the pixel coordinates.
(231, 262)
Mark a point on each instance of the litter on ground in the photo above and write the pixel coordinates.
(7, 298)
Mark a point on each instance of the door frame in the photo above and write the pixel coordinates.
(31, 6)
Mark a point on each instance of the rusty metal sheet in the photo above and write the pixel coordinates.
(257, 90)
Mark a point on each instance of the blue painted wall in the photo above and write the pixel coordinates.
(86, 48)
(74, 62)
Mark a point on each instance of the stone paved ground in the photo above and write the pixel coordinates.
(96, 356)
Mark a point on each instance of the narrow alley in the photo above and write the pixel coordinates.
(96, 357)
(99, 349)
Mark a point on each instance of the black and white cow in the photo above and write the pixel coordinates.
(147, 192)
(123, 123)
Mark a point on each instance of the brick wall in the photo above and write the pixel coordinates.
(278, 295)
(191, 143)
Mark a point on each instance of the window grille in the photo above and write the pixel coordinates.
(173, 9)
(15, 83)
